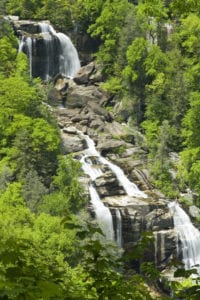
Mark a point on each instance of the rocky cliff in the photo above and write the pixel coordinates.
(84, 110)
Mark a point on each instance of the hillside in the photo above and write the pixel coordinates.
(137, 96)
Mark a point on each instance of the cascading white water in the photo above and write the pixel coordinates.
(188, 236)
(130, 188)
(69, 62)
(118, 227)
(21, 43)
(94, 172)
(29, 44)
(102, 213)
(50, 53)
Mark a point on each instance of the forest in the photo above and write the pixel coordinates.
(150, 58)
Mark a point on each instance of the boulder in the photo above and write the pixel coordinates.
(108, 185)
(70, 129)
(100, 111)
(109, 145)
(194, 211)
(79, 96)
(96, 77)
(62, 85)
(117, 129)
(97, 124)
(73, 143)
(164, 247)
(127, 201)
(82, 77)
(55, 98)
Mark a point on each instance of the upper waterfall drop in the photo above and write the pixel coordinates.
(50, 53)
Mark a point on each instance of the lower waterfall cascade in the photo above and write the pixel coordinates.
(187, 234)
(188, 237)
(102, 212)
(50, 53)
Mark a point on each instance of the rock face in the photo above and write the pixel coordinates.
(85, 111)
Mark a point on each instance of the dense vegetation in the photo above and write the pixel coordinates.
(150, 58)
(49, 248)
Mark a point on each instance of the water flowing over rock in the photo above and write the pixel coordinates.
(188, 238)
(116, 168)
(49, 52)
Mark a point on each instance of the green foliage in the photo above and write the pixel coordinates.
(113, 86)
(8, 54)
(23, 8)
(33, 254)
(184, 8)
(187, 288)
(191, 154)
(66, 191)
(87, 11)
(100, 261)
(107, 27)
(57, 11)
(153, 8)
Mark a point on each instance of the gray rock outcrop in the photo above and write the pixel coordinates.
(86, 112)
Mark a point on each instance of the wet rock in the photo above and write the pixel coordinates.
(159, 219)
(108, 185)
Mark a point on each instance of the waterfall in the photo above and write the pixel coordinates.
(118, 227)
(104, 217)
(102, 213)
(29, 44)
(68, 59)
(21, 43)
(130, 188)
(188, 237)
(50, 53)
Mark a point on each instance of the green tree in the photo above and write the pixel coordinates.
(23, 8)
(107, 27)
(135, 77)
(59, 12)
(101, 262)
(191, 154)
(86, 12)
(183, 8)
(8, 54)
(33, 254)
(66, 190)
